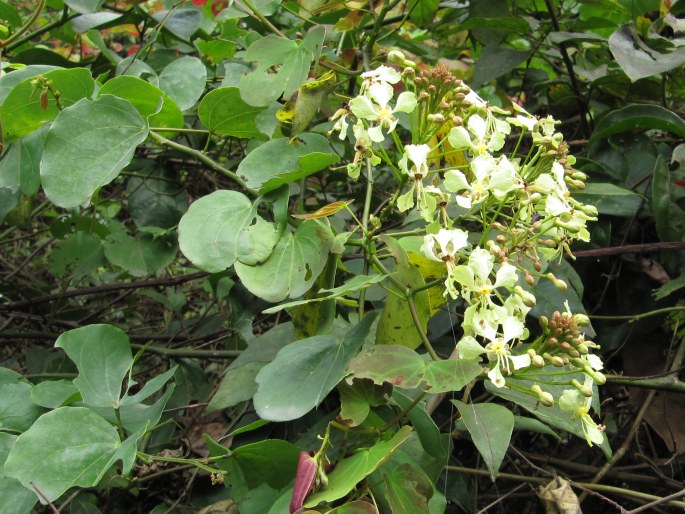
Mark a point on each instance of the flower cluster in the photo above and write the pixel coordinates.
(507, 177)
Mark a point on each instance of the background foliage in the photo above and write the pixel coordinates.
(147, 183)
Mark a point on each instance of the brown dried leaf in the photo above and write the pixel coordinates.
(558, 497)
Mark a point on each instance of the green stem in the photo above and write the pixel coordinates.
(636, 317)
(188, 353)
(417, 323)
(541, 480)
(66, 17)
(203, 158)
(263, 19)
(365, 229)
(26, 26)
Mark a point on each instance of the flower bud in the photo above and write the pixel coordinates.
(436, 118)
(397, 57)
(584, 390)
(544, 398)
(528, 298)
(557, 361)
(544, 321)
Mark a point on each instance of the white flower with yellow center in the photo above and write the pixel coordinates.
(443, 247)
(490, 176)
(573, 401)
(373, 106)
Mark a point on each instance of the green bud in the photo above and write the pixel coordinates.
(528, 299)
(584, 390)
(544, 321)
(4, 31)
(544, 398)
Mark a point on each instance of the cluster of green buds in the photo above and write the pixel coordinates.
(494, 188)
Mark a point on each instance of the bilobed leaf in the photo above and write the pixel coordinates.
(355, 507)
(304, 372)
(291, 269)
(262, 88)
(67, 447)
(407, 489)
(184, 81)
(223, 111)
(281, 161)
(87, 146)
(352, 470)
(490, 426)
(149, 100)
(102, 354)
(22, 113)
(395, 364)
(209, 233)
(451, 374)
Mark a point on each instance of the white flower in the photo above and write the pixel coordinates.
(418, 155)
(382, 74)
(443, 247)
(579, 406)
(373, 107)
(490, 176)
(483, 135)
(474, 277)
(341, 123)
(363, 150)
(499, 352)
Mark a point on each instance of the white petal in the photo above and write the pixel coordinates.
(512, 328)
(418, 154)
(520, 361)
(406, 201)
(495, 376)
(381, 93)
(455, 181)
(506, 276)
(469, 348)
(477, 126)
(362, 107)
(376, 134)
(459, 138)
(406, 102)
(481, 261)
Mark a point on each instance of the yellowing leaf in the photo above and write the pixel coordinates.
(325, 211)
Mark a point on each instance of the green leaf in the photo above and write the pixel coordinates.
(184, 81)
(638, 117)
(639, 60)
(670, 287)
(21, 112)
(357, 398)
(182, 23)
(262, 88)
(224, 112)
(294, 265)
(490, 426)
(407, 489)
(158, 200)
(84, 6)
(281, 161)
(140, 256)
(451, 374)
(610, 199)
(395, 364)
(20, 165)
(353, 285)
(304, 372)
(55, 393)
(239, 382)
(67, 447)
(423, 12)
(9, 15)
(352, 470)
(524, 424)
(16, 499)
(102, 354)
(81, 253)
(87, 146)
(9, 80)
(17, 411)
(396, 325)
(670, 218)
(495, 61)
(425, 427)
(211, 232)
(149, 100)
(355, 507)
